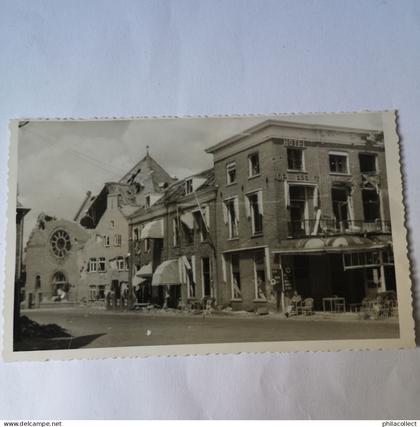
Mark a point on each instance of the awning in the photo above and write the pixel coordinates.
(145, 271)
(188, 220)
(327, 245)
(138, 281)
(167, 274)
(152, 230)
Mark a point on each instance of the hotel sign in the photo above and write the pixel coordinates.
(298, 177)
(289, 142)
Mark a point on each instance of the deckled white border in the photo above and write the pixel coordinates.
(402, 270)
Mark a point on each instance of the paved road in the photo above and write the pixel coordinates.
(100, 328)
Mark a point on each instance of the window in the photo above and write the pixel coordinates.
(295, 159)
(120, 263)
(201, 225)
(112, 224)
(146, 245)
(102, 264)
(231, 216)
(175, 232)
(38, 282)
(367, 163)
(231, 173)
(259, 272)
(92, 265)
(371, 205)
(254, 206)
(299, 221)
(373, 278)
(136, 234)
(188, 186)
(339, 163)
(147, 202)
(361, 260)
(92, 293)
(107, 241)
(253, 165)
(388, 257)
(206, 276)
(342, 208)
(189, 264)
(235, 277)
(101, 292)
(60, 243)
(117, 240)
(188, 234)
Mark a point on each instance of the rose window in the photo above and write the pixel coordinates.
(60, 243)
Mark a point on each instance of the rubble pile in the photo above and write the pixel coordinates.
(30, 329)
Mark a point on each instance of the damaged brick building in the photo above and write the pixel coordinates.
(286, 207)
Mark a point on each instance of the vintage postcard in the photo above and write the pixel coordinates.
(180, 236)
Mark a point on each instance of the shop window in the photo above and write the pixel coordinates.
(357, 260)
(260, 283)
(231, 173)
(254, 207)
(367, 163)
(231, 216)
(102, 264)
(371, 205)
(295, 159)
(120, 263)
(372, 277)
(188, 186)
(175, 232)
(338, 163)
(253, 165)
(117, 240)
(92, 265)
(38, 282)
(235, 277)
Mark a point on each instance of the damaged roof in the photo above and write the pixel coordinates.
(177, 190)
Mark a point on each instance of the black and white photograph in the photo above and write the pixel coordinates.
(189, 231)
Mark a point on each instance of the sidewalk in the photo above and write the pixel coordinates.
(317, 316)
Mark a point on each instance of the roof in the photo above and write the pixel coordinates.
(148, 168)
(284, 123)
(146, 176)
(176, 191)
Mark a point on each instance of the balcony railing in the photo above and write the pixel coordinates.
(331, 227)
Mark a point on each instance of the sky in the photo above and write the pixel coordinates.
(59, 161)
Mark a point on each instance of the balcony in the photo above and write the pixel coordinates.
(332, 227)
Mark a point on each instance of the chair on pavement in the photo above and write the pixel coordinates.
(308, 306)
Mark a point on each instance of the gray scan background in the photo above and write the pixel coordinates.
(138, 58)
